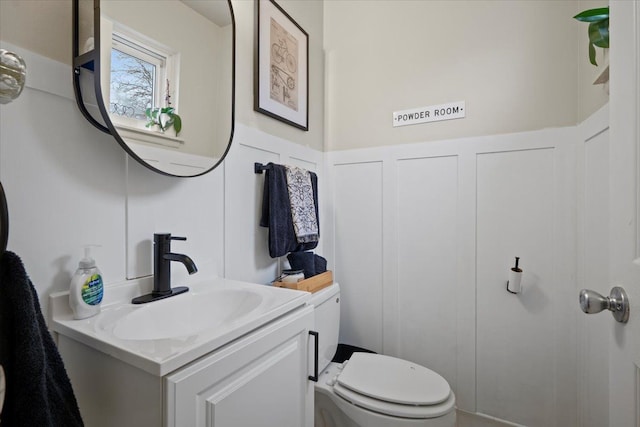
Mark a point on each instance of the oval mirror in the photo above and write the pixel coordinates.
(159, 76)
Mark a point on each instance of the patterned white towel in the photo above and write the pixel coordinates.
(303, 209)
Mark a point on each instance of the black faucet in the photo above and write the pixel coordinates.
(162, 258)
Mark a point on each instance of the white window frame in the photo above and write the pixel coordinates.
(167, 64)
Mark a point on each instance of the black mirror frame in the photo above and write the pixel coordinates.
(91, 61)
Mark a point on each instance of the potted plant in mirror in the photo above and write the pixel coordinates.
(164, 118)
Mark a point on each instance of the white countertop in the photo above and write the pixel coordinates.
(162, 356)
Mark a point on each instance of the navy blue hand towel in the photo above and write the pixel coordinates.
(311, 263)
(276, 212)
(320, 264)
(38, 390)
(303, 261)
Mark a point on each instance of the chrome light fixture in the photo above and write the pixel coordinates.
(13, 74)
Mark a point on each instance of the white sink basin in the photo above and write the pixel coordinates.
(182, 315)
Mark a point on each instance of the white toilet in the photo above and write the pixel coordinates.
(372, 390)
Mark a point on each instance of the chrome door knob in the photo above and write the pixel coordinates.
(617, 302)
(593, 302)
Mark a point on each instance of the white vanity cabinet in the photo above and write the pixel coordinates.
(260, 380)
(257, 376)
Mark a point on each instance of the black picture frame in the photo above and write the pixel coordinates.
(281, 66)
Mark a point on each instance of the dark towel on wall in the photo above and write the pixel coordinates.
(276, 212)
(38, 390)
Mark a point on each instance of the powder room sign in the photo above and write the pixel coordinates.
(432, 113)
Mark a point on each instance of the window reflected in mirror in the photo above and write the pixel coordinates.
(165, 80)
(134, 83)
(143, 82)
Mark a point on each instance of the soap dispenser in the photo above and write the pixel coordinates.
(87, 289)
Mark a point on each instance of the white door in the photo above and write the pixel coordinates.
(624, 341)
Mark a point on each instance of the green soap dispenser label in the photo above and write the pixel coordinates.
(92, 290)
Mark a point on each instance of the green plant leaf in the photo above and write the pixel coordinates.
(599, 33)
(604, 33)
(598, 30)
(592, 54)
(593, 15)
(177, 123)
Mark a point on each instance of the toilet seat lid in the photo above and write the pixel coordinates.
(396, 409)
(394, 380)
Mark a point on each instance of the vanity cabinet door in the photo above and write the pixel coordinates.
(258, 380)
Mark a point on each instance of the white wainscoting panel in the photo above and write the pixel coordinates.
(358, 252)
(425, 235)
(185, 207)
(246, 248)
(427, 214)
(515, 345)
(219, 212)
(64, 181)
(246, 242)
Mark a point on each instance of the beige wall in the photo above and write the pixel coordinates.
(44, 26)
(515, 63)
(309, 15)
(519, 65)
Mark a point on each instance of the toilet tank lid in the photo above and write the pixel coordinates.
(393, 380)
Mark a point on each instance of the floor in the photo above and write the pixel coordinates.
(466, 419)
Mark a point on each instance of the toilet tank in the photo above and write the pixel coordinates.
(327, 322)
